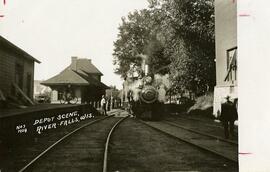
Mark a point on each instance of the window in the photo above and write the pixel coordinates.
(231, 74)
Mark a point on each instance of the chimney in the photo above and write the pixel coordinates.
(73, 65)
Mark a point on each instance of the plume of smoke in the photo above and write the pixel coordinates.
(160, 82)
(133, 85)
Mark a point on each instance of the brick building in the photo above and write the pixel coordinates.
(226, 51)
(82, 77)
(16, 71)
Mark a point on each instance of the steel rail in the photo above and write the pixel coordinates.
(204, 122)
(201, 121)
(193, 144)
(201, 133)
(105, 158)
(60, 140)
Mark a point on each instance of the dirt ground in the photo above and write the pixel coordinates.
(136, 147)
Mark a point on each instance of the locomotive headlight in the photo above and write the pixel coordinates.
(149, 94)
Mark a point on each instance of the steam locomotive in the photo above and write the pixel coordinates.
(146, 96)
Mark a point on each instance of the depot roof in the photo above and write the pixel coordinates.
(79, 72)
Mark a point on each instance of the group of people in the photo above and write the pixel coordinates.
(228, 116)
(106, 104)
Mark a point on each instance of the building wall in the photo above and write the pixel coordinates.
(55, 96)
(226, 38)
(7, 72)
(85, 94)
(8, 62)
(28, 70)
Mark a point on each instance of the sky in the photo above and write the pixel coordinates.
(53, 31)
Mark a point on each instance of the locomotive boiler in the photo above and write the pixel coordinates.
(146, 95)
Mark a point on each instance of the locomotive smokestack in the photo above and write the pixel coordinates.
(146, 69)
(145, 63)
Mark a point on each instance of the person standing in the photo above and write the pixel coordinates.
(103, 105)
(228, 116)
(109, 104)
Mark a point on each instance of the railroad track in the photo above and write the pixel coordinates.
(215, 129)
(205, 122)
(217, 146)
(201, 133)
(81, 144)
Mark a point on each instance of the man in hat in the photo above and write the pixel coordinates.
(228, 116)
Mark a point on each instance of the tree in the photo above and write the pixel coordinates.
(138, 36)
(190, 45)
(177, 31)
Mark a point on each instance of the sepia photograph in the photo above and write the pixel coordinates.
(121, 86)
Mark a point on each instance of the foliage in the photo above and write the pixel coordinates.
(191, 46)
(138, 36)
(177, 31)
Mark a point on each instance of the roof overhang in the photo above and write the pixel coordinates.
(17, 49)
(62, 84)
